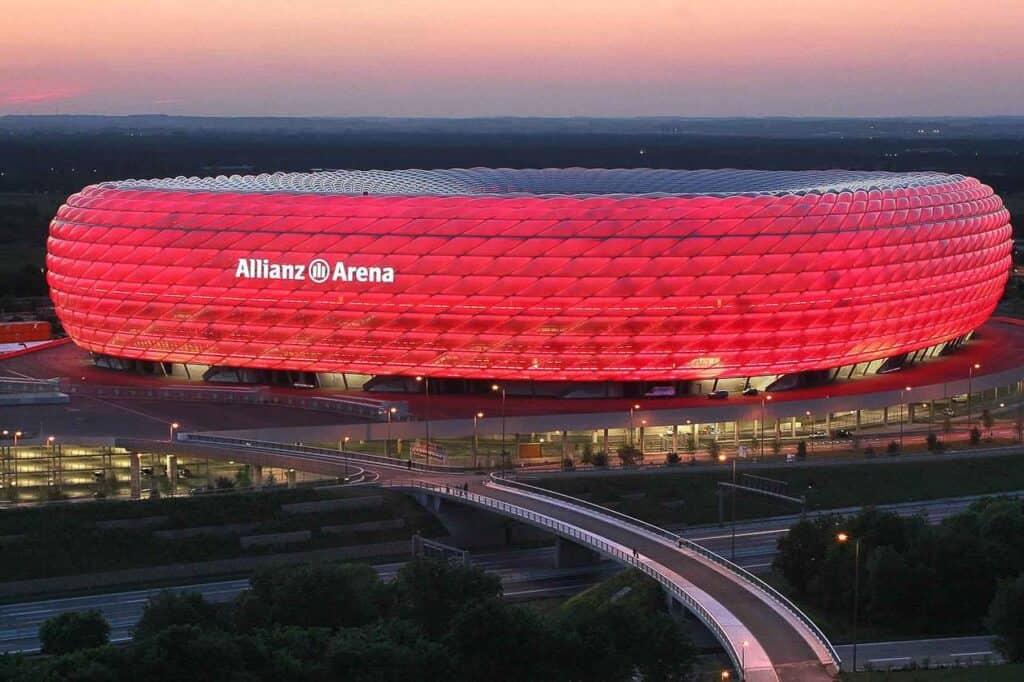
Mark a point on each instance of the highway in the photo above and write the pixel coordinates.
(949, 651)
(756, 540)
(525, 575)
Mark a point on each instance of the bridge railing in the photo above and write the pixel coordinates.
(291, 449)
(592, 540)
(505, 479)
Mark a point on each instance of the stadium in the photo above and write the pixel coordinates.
(679, 278)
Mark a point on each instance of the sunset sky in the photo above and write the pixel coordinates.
(519, 57)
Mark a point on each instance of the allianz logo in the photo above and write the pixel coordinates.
(317, 271)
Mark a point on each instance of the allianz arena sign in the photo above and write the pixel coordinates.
(317, 271)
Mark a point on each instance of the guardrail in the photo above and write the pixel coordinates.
(590, 539)
(504, 479)
(292, 449)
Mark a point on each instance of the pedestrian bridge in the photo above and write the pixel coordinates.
(765, 635)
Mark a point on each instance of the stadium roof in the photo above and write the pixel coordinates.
(622, 182)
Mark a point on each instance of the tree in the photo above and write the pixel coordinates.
(74, 630)
(893, 448)
(801, 450)
(947, 425)
(430, 593)
(987, 421)
(329, 595)
(1005, 619)
(801, 552)
(933, 443)
(493, 640)
(713, 448)
(393, 652)
(601, 459)
(588, 453)
(170, 608)
(672, 458)
(975, 435)
(628, 455)
(776, 445)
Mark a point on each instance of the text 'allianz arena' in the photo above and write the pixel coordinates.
(555, 274)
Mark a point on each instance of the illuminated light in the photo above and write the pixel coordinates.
(468, 271)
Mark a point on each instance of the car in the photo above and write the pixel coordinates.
(750, 390)
(661, 392)
(819, 435)
(718, 395)
(949, 412)
(98, 474)
(842, 433)
(147, 471)
(959, 399)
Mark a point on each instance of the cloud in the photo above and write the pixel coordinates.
(33, 95)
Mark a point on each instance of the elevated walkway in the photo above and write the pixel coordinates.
(761, 631)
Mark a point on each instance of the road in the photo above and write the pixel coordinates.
(950, 651)
(525, 574)
(756, 540)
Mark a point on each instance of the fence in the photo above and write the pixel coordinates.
(678, 540)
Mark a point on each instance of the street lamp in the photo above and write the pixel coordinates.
(632, 423)
(743, 661)
(843, 538)
(733, 540)
(764, 398)
(476, 437)
(902, 409)
(17, 435)
(344, 453)
(426, 391)
(387, 442)
(725, 674)
(970, 381)
(810, 429)
(504, 452)
(170, 431)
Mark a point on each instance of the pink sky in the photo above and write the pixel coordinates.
(518, 57)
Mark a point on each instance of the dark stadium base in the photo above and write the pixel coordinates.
(596, 390)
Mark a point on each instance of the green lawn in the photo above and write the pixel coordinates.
(998, 673)
(690, 496)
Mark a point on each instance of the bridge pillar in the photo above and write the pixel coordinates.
(256, 475)
(291, 478)
(675, 438)
(135, 475)
(568, 554)
(792, 427)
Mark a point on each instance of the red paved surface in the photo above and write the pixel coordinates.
(998, 347)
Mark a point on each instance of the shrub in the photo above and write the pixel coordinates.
(74, 630)
(588, 454)
(801, 450)
(628, 455)
(568, 464)
(869, 452)
(893, 448)
(601, 459)
(933, 443)
(672, 458)
(975, 436)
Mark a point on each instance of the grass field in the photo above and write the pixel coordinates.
(690, 496)
(997, 673)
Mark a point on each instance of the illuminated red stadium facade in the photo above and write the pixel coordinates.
(557, 275)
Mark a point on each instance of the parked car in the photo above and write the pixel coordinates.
(949, 412)
(819, 435)
(842, 434)
(718, 395)
(959, 398)
(661, 392)
(750, 390)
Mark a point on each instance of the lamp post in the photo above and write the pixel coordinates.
(17, 435)
(504, 452)
(743, 661)
(170, 431)
(810, 429)
(476, 436)
(344, 453)
(970, 381)
(725, 674)
(632, 422)
(842, 538)
(764, 399)
(732, 544)
(426, 415)
(905, 390)
(387, 443)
